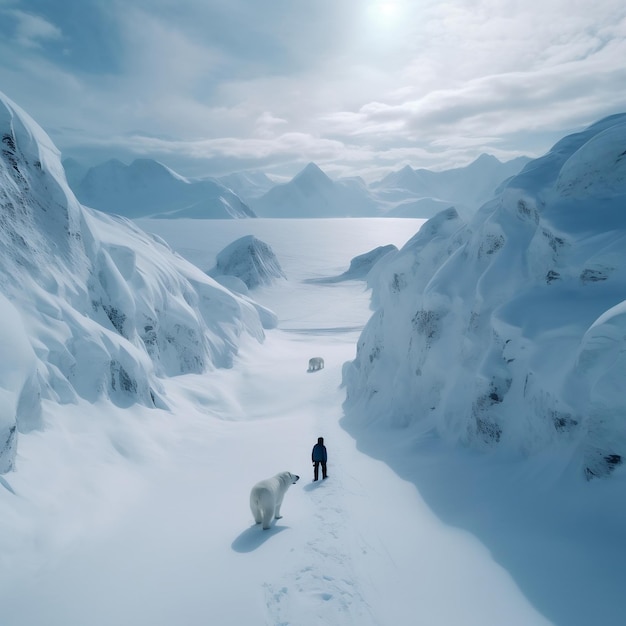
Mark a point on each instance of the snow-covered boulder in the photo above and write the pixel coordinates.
(507, 332)
(93, 307)
(250, 260)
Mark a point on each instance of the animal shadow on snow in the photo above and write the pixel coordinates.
(254, 537)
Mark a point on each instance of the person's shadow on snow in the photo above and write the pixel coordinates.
(254, 537)
(314, 485)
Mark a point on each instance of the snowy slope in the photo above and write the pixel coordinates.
(147, 187)
(311, 193)
(93, 308)
(507, 333)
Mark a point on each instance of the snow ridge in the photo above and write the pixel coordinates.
(508, 332)
(92, 307)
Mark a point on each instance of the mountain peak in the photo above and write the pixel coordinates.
(311, 173)
(486, 158)
(151, 167)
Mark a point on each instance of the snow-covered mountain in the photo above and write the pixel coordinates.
(406, 193)
(248, 185)
(311, 193)
(509, 332)
(149, 188)
(416, 193)
(92, 307)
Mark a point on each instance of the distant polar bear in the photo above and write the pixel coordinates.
(267, 496)
(316, 363)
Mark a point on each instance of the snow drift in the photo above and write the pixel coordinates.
(92, 307)
(508, 332)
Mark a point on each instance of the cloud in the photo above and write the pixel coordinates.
(267, 125)
(32, 30)
(246, 84)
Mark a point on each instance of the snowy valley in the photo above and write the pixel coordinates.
(471, 402)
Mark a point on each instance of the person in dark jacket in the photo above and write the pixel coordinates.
(319, 457)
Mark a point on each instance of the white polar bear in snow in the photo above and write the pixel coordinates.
(267, 496)
(316, 363)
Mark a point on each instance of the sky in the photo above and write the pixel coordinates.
(360, 87)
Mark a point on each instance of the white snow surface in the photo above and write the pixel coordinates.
(141, 517)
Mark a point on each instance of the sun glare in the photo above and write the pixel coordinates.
(386, 12)
(388, 9)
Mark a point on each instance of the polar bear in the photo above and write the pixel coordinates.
(267, 496)
(316, 363)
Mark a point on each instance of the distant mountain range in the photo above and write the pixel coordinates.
(149, 188)
(248, 185)
(464, 187)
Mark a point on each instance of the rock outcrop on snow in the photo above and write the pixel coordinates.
(509, 332)
(92, 307)
(250, 260)
(361, 265)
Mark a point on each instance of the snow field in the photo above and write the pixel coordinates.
(141, 517)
